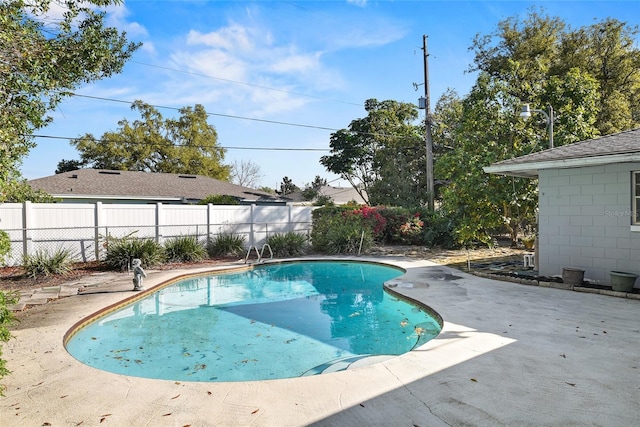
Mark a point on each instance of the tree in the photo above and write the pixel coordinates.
(609, 52)
(42, 62)
(589, 75)
(312, 190)
(246, 173)
(287, 187)
(380, 155)
(154, 144)
(526, 55)
(69, 165)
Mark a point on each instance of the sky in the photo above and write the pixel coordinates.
(279, 77)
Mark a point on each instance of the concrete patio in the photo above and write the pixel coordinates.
(509, 355)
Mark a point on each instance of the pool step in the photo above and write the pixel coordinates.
(347, 363)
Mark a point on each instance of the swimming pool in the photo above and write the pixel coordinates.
(273, 321)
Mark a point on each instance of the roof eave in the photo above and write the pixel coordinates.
(531, 170)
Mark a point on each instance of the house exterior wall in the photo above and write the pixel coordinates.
(585, 219)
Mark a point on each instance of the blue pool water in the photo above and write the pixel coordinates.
(275, 321)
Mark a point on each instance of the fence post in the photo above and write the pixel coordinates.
(209, 213)
(26, 225)
(97, 220)
(158, 222)
(251, 230)
(290, 226)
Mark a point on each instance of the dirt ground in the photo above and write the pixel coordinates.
(14, 278)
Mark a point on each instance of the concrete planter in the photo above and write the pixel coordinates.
(572, 276)
(622, 282)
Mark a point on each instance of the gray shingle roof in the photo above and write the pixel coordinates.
(339, 195)
(614, 148)
(142, 185)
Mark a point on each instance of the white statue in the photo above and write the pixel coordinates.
(138, 274)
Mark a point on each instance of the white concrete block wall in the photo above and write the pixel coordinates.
(585, 221)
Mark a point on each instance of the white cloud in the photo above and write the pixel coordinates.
(238, 54)
(360, 3)
(117, 17)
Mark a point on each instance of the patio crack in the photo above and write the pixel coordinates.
(415, 396)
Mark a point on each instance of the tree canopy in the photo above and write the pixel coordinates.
(42, 62)
(154, 144)
(591, 77)
(381, 154)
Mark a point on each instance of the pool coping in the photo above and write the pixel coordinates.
(490, 352)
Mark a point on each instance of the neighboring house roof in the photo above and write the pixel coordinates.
(339, 195)
(615, 148)
(150, 186)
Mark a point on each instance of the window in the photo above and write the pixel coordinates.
(636, 198)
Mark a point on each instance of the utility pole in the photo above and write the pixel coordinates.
(427, 124)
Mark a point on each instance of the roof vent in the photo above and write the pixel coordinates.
(109, 172)
(187, 176)
(75, 175)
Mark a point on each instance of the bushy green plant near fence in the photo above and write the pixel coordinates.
(219, 199)
(226, 244)
(184, 249)
(44, 263)
(341, 234)
(287, 244)
(7, 319)
(120, 252)
(5, 245)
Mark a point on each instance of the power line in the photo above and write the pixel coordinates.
(242, 117)
(212, 114)
(189, 146)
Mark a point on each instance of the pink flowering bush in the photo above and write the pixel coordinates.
(370, 218)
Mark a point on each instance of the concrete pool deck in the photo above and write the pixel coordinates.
(508, 355)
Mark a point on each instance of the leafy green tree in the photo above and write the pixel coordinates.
(380, 155)
(537, 60)
(155, 144)
(42, 62)
(609, 52)
(527, 54)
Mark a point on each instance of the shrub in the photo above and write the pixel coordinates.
(184, 249)
(341, 235)
(43, 263)
(7, 319)
(226, 244)
(120, 252)
(287, 244)
(372, 219)
(5, 245)
(417, 227)
(219, 199)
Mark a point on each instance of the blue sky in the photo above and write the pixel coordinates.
(277, 76)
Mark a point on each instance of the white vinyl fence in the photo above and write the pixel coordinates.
(84, 227)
